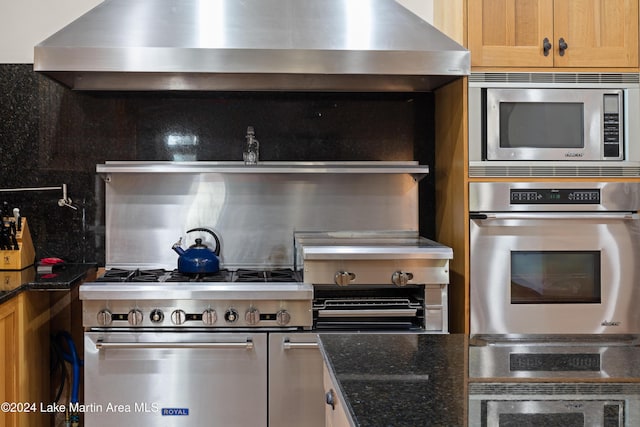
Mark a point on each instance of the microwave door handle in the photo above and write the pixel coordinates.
(556, 215)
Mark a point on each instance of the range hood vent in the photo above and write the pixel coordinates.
(251, 45)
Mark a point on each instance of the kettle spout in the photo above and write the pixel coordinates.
(177, 248)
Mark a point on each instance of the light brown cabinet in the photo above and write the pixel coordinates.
(335, 412)
(553, 33)
(9, 358)
(24, 359)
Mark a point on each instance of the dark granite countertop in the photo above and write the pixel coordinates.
(13, 282)
(399, 379)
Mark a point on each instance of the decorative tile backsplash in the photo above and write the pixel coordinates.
(50, 135)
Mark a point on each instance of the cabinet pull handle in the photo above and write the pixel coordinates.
(288, 345)
(546, 46)
(330, 399)
(562, 46)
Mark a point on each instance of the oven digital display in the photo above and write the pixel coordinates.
(562, 196)
(553, 362)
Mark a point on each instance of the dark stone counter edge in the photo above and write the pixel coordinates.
(71, 276)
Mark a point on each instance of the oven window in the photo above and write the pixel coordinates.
(541, 125)
(547, 277)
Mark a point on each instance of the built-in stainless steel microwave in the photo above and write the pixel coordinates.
(562, 123)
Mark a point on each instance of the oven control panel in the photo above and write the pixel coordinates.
(190, 313)
(554, 196)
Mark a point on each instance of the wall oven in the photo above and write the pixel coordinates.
(553, 124)
(554, 258)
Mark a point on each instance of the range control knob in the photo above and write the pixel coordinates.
(156, 316)
(344, 278)
(400, 278)
(252, 316)
(231, 315)
(135, 317)
(209, 316)
(178, 317)
(283, 317)
(104, 317)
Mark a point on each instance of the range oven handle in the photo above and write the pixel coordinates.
(555, 215)
(288, 345)
(248, 345)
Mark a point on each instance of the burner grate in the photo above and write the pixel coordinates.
(279, 275)
(116, 275)
(159, 275)
(221, 276)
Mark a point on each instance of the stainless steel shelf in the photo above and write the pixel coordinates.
(369, 167)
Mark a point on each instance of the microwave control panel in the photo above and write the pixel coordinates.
(611, 126)
(531, 196)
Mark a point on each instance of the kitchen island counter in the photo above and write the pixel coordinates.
(61, 279)
(396, 379)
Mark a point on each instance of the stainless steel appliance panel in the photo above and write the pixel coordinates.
(599, 297)
(547, 357)
(494, 241)
(562, 404)
(495, 196)
(541, 124)
(296, 393)
(254, 214)
(537, 85)
(372, 45)
(218, 378)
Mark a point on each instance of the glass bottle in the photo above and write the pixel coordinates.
(251, 152)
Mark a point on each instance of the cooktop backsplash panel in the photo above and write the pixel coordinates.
(51, 135)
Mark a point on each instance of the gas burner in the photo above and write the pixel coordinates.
(176, 276)
(280, 275)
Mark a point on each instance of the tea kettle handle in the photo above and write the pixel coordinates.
(215, 237)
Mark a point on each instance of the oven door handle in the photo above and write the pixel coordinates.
(288, 345)
(248, 345)
(555, 215)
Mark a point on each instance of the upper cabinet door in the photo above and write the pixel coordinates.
(597, 33)
(576, 33)
(510, 33)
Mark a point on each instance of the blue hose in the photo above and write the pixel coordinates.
(76, 363)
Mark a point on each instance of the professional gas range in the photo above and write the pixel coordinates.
(240, 348)
(158, 298)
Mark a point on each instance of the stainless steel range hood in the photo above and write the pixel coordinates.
(299, 45)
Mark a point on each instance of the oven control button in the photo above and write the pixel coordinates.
(283, 317)
(178, 317)
(135, 317)
(231, 315)
(156, 316)
(252, 316)
(209, 316)
(400, 278)
(104, 317)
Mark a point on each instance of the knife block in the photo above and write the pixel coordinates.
(25, 256)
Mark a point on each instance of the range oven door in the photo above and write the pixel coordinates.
(296, 392)
(175, 379)
(554, 273)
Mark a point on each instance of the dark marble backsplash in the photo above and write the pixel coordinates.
(52, 135)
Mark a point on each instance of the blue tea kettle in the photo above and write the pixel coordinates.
(198, 258)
